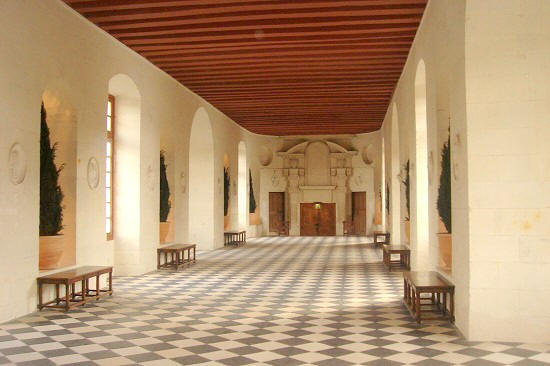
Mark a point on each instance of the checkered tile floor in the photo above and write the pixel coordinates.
(275, 301)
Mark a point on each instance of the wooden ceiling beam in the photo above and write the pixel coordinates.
(278, 67)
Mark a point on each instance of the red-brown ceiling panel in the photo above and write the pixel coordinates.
(278, 67)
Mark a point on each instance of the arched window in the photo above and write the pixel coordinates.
(242, 185)
(201, 182)
(421, 238)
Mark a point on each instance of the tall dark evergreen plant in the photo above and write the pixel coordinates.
(407, 183)
(387, 199)
(51, 196)
(164, 190)
(444, 196)
(226, 183)
(251, 199)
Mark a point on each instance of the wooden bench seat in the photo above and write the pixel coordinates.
(381, 234)
(404, 257)
(234, 238)
(174, 255)
(428, 282)
(69, 279)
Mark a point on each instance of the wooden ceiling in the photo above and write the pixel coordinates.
(277, 67)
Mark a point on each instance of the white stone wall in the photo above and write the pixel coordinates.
(360, 157)
(508, 116)
(439, 44)
(44, 44)
(487, 72)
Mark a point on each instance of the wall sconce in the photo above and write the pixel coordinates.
(317, 205)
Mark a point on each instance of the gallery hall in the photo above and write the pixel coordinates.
(275, 182)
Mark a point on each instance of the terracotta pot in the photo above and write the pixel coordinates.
(441, 228)
(377, 212)
(50, 251)
(445, 251)
(164, 229)
(408, 230)
(226, 222)
(253, 218)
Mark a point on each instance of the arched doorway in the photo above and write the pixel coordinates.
(395, 181)
(201, 182)
(123, 175)
(420, 232)
(242, 187)
(383, 197)
(58, 132)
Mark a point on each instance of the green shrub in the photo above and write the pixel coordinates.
(444, 196)
(51, 196)
(164, 190)
(251, 199)
(226, 183)
(387, 199)
(407, 183)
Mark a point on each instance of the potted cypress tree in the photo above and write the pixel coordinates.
(51, 241)
(444, 210)
(407, 183)
(226, 187)
(377, 220)
(164, 226)
(388, 193)
(251, 200)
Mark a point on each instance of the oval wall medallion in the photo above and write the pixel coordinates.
(368, 154)
(266, 156)
(17, 164)
(93, 173)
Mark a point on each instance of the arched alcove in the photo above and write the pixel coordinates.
(420, 233)
(201, 181)
(125, 179)
(242, 187)
(395, 205)
(383, 184)
(61, 121)
(226, 192)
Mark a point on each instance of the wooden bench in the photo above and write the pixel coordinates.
(69, 279)
(234, 238)
(404, 253)
(174, 255)
(381, 234)
(428, 282)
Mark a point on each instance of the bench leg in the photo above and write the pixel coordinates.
(417, 302)
(97, 286)
(110, 283)
(40, 295)
(67, 296)
(452, 306)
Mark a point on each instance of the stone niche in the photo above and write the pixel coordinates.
(314, 171)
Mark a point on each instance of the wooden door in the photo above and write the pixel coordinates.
(309, 219)
(317, 221)
(359, 212)
(276, 210)
(327, 219)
